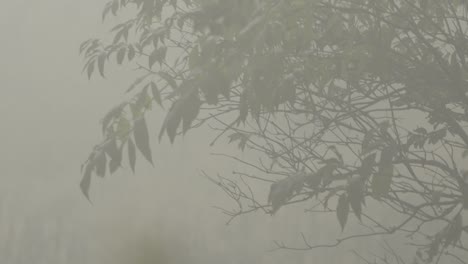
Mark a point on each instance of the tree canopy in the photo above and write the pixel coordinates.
(347, 102)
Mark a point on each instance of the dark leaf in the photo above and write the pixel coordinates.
(382, 181)
(283, 190)
(101, 60)
(190, 109)
(101, 162)
(90, 69)
(111, 115)
(140, 133)
(112, 150)
(158, 55)
(131, 154)
(367, 165)
(453, 231)
(115, 7)
(171, 122)
(153, 58)
(121, 55)
(86, 180)
(131, 52)
(184, 110)
(114, 165)
(106, 10)
(242, 139)
(342, 210)
(356, 191)
(156, 93)
(137, 82)
(169, 79)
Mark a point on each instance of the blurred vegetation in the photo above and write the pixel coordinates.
(348, 105)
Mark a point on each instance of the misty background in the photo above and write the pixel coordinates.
(50, 117)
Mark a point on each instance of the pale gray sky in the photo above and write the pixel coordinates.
(49, 116)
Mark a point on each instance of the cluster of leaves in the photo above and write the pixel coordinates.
(344, 100)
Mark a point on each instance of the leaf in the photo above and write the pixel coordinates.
(111, 115)
(115, 7)
(137, 82)
(454, 230)
(342, 210)
(243, 107)
(356, 193)
(169, 79)
(123, 128)
(184, 110)
(157, 55)
(324, 174)
(131, 52)
(118, 36)
(156, 93)
(131, 154)
(243, 138)
(106, 10)
(367, 165)
(101, 60)
(382, 181)
(90, 69)
(114, 165)
(465, 153)
(171, 122)
(111, 149)
(190, 109)
(283, 190)
(121, 55)
(140, 133)
(153, 58)
(143, 101)
(86, 180)
(101, 162)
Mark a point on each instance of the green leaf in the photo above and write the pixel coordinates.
(342, 210)
(140, 133)
(131, 154)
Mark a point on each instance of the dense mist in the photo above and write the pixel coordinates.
(50, 114)
(166, 213)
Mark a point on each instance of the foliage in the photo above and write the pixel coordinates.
(346, 102)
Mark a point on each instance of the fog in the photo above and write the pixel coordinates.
(50, 116)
